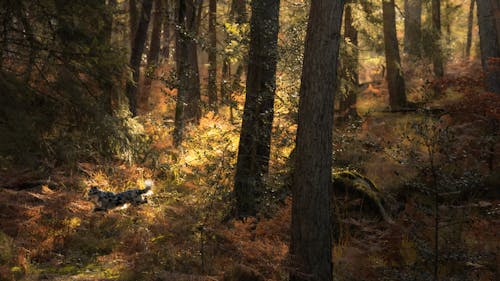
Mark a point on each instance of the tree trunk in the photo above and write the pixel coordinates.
(154, 51)
(311, 244)
(437, 55)
(212, 55)
(413, 25)
(166, 30)
(154, 46)
(488, 14)
(395, 80)
(348, 102)
(469, 29)
(133, 20)
(188, 95)
(255, 136)
(136, 55)
(239, 11)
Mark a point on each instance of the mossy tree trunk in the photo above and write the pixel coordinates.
(255, 136)
(395, 80)
(311, 241)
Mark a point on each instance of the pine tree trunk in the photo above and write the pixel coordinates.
(311, 244)
(136, 55)
(166, 30)
(437, 55)
(413, 26)
(255, 136)
(395, 80)
(154, 46)
(212, 55)
(188, 95)
(348, 103)
(488, 14)
(133, 20)
(469, 29)
(154, 51)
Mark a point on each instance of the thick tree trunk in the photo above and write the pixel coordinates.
(136, 55)
(348, 102)
(470, 24)
(212, 55)
(437, 55)
(133, 20)
(188, 95)
(488, 14)
(395, 80)
(255, 136)
(311, 244)
(413, 26)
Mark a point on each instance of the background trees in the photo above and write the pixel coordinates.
(66, 68)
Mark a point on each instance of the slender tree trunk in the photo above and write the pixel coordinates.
(136, 55)
(311, 244)
(133, 20)
(395, 80)
(166, 30)
(212, 55)
(413, 26)
(488, 14)
(154, 51)
(348, 103)
(437, 55)
(469, 29)
(154, 46)
(109, 87)
(188, 96)
(255, 136)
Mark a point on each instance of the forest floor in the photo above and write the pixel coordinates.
(49, 232)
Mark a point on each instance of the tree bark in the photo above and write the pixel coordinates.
(488, 14)
(154, 46)
(395, 80)
(188, 95)
(437, 55)
(255, 136)
(133, 20)
(348, 102)
(469, 29)
(413, 26)
(311, 244)
(239, 11)
(212, 55)
(136, 55)
(166, 30)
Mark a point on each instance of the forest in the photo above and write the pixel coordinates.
(239, 140)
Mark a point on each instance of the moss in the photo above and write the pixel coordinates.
(347, 182)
